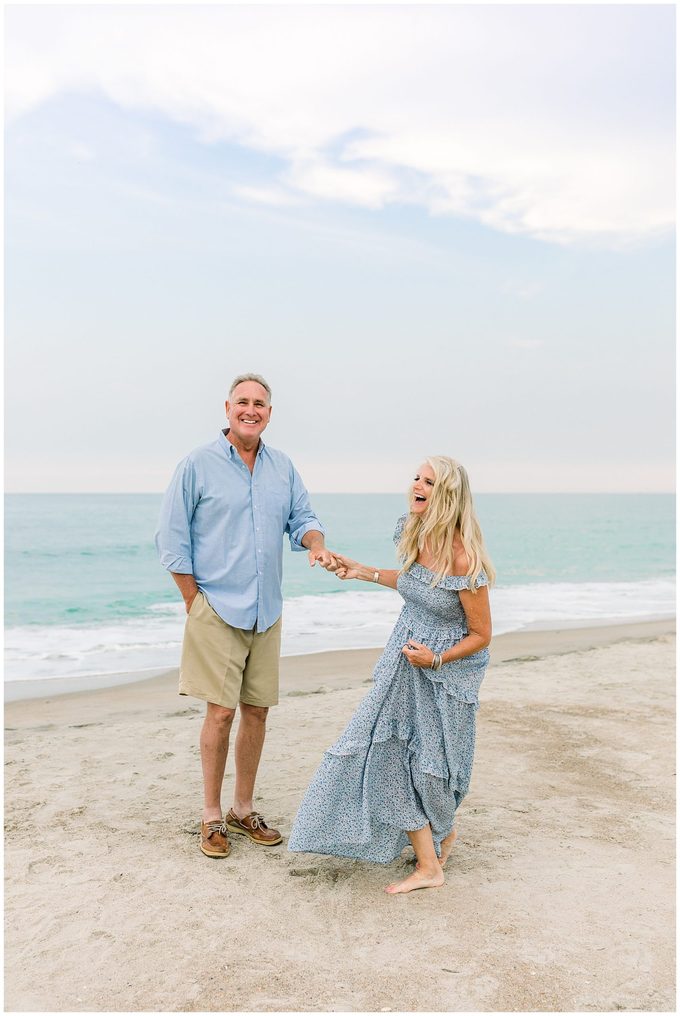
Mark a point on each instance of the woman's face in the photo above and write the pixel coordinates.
(421, 491)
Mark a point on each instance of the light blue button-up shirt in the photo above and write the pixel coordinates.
(224, 526)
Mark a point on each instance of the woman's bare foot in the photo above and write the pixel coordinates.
(418, 880)
(445, 848)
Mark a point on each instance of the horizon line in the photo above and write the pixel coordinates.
(154, 493)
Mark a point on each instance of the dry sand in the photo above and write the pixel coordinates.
(559, 892)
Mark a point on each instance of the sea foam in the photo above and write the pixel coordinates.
(347, 619)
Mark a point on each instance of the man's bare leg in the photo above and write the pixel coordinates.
(429, 874)
(247, 751)
(214, 749)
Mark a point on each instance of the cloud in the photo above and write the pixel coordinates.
(546, 121)
(274, 197)
(525, 343)
(82, 152)
(522, 290)
(367, 186)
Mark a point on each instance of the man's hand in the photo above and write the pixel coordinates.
(317, 551)
(324, 557)
(187, 587)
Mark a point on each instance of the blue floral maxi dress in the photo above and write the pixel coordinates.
(405, 757)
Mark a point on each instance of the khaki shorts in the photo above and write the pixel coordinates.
(228, 665)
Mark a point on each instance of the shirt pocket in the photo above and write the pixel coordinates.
(276, 503)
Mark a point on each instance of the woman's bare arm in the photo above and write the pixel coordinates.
(349, 569)
(478, 617)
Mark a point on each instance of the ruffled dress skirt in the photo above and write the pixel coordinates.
(405, 759)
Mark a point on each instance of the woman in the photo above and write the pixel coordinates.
(402, 766)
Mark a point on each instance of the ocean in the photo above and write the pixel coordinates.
(85, 595)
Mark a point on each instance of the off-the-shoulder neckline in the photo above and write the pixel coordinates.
(430, 571)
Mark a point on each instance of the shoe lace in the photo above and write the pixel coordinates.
(258, 822)
(218, 826)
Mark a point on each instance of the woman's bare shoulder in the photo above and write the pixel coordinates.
(461, 562)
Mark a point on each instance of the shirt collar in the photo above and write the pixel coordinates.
(230, 449)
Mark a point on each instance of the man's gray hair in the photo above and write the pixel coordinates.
(250, 377)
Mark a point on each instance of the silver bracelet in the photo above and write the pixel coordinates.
(437, 661)
(376, 576)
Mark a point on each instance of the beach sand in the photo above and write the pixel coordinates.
(559, 892)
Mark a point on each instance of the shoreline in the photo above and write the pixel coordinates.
(329, 669)
(56, 659)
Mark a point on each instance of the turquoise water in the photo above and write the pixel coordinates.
(84, 590)
(82, 558)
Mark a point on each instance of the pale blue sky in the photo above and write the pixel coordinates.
(434, 229)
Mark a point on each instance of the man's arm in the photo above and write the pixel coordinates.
(304, 528)
(173, 537)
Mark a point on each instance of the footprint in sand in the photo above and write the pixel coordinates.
(332, 875)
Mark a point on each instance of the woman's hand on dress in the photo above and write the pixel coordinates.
(347, 568)
(418, 654)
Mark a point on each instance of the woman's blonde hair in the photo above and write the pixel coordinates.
(450, 508)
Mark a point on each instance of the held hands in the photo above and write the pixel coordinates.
(418, 654)
(347, 568)
(326, 558)
(344, 567)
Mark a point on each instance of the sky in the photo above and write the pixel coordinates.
(434, 229)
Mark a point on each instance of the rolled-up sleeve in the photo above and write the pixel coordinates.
(301, 519)
(173, 536)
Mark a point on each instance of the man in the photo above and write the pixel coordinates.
(222, 519)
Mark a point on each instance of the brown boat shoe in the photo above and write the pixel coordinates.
(254, 827)
(215, 839)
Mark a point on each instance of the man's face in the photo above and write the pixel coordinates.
(248, 411)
